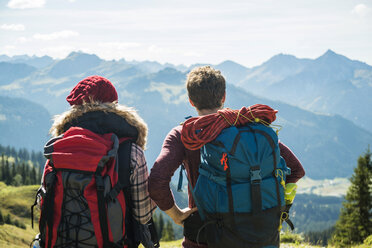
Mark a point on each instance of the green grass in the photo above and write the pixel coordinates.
(12, 236)
(17, 201)
(171, 244)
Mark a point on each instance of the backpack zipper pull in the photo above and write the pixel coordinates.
(224, 161)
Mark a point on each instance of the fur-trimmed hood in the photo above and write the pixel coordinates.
(63, 121)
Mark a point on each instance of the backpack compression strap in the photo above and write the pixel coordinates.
(100, 191)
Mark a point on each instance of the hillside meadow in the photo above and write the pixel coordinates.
(16, 201)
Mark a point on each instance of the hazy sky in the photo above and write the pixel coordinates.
(185, 32)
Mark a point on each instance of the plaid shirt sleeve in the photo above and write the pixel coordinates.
(143, 206)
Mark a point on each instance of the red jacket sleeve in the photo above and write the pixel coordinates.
(297, 171)
(169, 159)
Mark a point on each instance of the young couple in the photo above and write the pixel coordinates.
(94, 106)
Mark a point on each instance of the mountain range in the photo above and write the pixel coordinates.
(23, 124)
(327, 142)
(331, 84)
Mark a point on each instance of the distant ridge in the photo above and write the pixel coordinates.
(34, 61)
(23, 124)
(331, 84)
(317, 131)
(10, 72)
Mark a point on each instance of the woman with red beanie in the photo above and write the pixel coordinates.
(94, 106)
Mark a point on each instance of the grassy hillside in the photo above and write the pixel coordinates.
(15, 237)
(16, 201)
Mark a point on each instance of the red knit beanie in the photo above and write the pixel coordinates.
(94, 88)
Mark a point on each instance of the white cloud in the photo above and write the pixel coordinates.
(120, 45)
(22, 40)
(26, 4)
(12, 27)
(56, 35)
(360, 10)
(9, 47)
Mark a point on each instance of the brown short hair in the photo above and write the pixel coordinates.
(205, 87)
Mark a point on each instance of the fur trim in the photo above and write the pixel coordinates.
(129, 114)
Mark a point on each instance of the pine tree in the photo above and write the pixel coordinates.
(2, 167)
(17, 180)
(13, 152)
(168, 233)
(23, 171)
(355, 221)
(7, 176)
(2, 221)
(27, 180)
(13, 172)
(161, 226)
(33, 176)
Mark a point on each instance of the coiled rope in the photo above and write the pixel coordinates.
(198, 131)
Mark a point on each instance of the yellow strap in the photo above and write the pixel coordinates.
(279, 173)
(237, 117)
(277, 128)
(225, 119)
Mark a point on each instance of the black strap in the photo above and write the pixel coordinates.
(256, 197)
(290, 224)
(272, 145)
(46, 218)
(35, 203)
(154, 233)
(229, 189)
(50, 208)
(114, 192)
(110, 154)
(123, 160)
(256, 189)
(102, 209)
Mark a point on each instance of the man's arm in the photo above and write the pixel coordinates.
(143, 206)
(169, 159)
(297, 171)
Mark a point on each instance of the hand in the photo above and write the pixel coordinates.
(179, 215)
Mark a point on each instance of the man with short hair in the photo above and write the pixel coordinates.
(206, 89)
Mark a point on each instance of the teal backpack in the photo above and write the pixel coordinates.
(240, 189)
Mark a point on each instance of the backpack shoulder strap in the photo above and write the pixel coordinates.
(124, 158)
(124, 171)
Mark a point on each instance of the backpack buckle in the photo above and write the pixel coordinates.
(99, 183)
(256, 175)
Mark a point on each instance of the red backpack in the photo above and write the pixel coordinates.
(82, 197)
